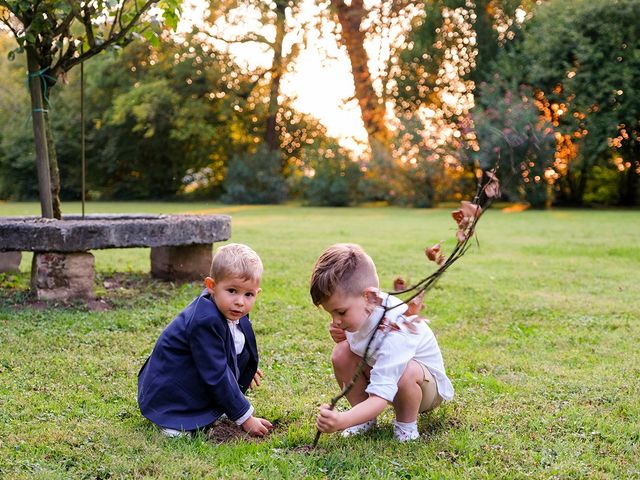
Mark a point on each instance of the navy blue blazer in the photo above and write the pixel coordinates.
(191, 377)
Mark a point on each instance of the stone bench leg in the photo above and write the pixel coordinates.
(10, 261)
(181, 263)
(62, 276)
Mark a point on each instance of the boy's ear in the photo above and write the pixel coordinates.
(371, 295)
(210, 284)
(258, 292)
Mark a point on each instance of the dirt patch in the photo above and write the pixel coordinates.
(115, 291)
(18, 302)
(225, 431)
(98, 305)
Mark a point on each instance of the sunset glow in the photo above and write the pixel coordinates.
(320, 82)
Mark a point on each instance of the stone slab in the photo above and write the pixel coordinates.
(76, 234)
(10, 261)
(182, 263)
(62, 276)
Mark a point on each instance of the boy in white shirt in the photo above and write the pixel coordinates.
(404, 364)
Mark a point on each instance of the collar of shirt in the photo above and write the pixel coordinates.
(397, 308)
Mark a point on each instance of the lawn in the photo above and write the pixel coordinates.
(539, 328)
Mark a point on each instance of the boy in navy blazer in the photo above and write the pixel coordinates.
(204, 361)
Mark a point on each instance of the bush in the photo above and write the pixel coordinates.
(509, 129)
(334, 183)
(255, 178)
(603, 186)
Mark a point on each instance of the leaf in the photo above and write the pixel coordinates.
(399, 284)
(432, 252)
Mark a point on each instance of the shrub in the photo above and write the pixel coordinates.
(334, 182)
(603, 186)
(508, 127)
(255, 178)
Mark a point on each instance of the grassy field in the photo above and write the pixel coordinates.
(539, 328)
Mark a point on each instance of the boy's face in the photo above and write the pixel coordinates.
(234, 296)
(347, 312)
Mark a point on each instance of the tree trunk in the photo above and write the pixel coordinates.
(277, 67)
(39, 133)
(630, 179)
(371, 107)
(53, 168)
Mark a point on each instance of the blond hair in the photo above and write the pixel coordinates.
(345, 267)
(236, 260)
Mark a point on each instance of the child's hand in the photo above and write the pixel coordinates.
(258, 427)
(256, 379)
(337, 334)
(329, 421)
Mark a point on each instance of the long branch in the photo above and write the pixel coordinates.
(422, 286)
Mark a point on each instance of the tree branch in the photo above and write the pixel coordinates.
(482, 200)
(249, 38)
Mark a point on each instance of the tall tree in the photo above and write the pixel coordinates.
(271, 14)
(372, 108)
(57, 35)
(584, 59)
(451, 48)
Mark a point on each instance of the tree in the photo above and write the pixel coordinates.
(508, 128)
(166, 119)
(372, 108)
(57, 35)
(272, 13)
(450, 49)
(583, 57)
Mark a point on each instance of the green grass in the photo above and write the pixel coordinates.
(539, 329)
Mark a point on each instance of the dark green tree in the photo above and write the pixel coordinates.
(56, 36)
(584, 58)
(166, 120)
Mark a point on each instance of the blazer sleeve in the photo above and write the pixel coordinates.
(209, 352)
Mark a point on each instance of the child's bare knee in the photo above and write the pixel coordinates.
(412, 375)
(341, 354)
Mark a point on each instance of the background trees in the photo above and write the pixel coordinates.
(583, 57)
(58, 35)
(443, 88)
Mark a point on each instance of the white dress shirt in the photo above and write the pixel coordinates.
(390, 352)
(236, 333)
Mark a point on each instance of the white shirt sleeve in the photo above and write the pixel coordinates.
(395, 353)
(246, 416)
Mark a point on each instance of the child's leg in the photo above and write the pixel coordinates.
(409, 396)
(345, 363)
(408, 401)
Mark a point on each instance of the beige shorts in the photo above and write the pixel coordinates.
(430, 397)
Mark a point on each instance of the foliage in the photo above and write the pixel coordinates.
(58, 35)
(507, 127)
(603, 187)
(451, 47)
(255, 178)
(585, 57)
(68, 373)
(65, 33)
(335, 180)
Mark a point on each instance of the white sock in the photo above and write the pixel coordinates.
(172, 433)
(405, 431)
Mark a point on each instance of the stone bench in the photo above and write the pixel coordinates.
(63, 268)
